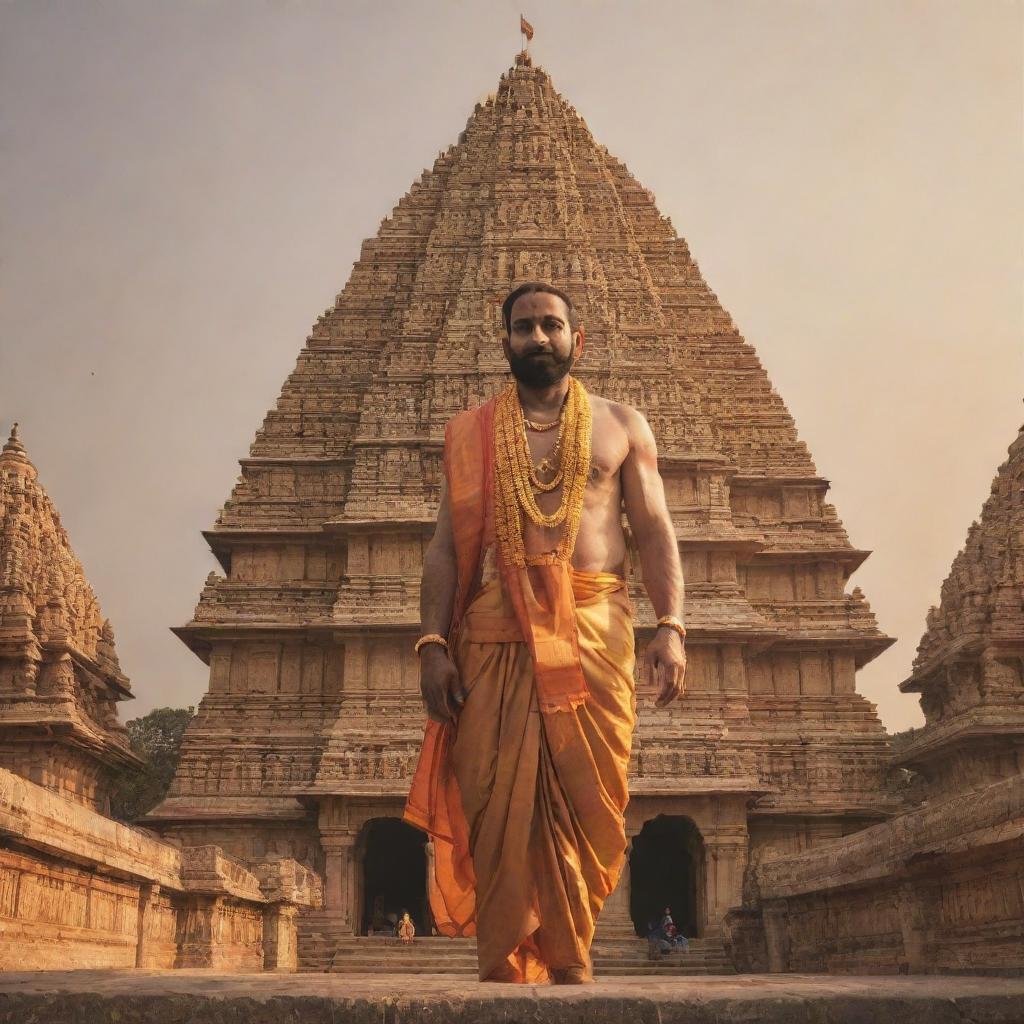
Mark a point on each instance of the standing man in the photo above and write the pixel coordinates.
(526, 657)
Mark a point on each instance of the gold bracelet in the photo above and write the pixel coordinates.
(430, 638)
(673, 623)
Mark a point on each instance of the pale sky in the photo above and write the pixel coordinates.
(186, 186)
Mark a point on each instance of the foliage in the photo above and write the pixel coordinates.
(902, 739)
(156, 738)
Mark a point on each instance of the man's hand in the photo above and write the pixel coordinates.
(665, 665)
(443, 695)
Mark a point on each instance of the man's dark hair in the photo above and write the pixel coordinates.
(537, 286)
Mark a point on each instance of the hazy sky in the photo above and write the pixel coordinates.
(187, 184)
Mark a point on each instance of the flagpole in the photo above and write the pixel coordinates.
(526, 31)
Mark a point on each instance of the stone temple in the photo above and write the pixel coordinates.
(60, 680)
(940, 887)
(305, 741)
(78, 889)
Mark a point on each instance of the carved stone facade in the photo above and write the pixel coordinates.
(312, 720)
(60, 680)
(940, 887)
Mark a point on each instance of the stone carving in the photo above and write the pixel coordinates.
(60, 680)
(321, 539)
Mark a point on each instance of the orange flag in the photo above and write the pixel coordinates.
(526, 28)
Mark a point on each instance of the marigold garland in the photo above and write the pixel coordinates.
(514, 473)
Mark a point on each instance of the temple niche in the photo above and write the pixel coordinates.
(940, 887)
(309, 730)
(60, 680)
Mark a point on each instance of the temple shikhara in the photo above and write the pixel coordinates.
(769, 807)
(306, 739)
(60, 680)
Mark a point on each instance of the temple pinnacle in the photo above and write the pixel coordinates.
(14, 442)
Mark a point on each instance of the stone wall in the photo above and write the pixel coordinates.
(54, 914)
(80, 890)
(938, 889)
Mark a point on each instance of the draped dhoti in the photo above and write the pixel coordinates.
(542, 793)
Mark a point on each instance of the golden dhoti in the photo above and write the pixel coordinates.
(543, 794)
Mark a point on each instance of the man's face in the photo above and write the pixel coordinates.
(541, 347)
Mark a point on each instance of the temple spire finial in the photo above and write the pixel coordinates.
(14, 445)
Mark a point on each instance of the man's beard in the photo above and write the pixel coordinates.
(539, 369)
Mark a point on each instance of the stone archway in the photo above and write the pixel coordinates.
(666, 869)
(394, 863)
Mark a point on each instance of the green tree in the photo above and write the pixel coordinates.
(156, 738)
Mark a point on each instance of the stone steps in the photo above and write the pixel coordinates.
(321, 951)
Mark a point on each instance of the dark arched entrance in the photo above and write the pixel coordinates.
(394, 875)
(664, 865)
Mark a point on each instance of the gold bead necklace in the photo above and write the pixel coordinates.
(516, 476)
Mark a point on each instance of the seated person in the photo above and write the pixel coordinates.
(656, 942)
(671, 933)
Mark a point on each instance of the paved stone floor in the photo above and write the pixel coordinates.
(202, 997)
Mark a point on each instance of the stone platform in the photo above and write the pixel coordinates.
(203, 997)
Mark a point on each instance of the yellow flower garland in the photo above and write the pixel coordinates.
(513, 490)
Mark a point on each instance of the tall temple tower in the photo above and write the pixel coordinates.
(306, 740)
(60, 680)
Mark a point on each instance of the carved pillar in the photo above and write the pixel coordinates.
(200, 933)
(724, 863)
(915, 906)
(775, 914)
(280, 937)
(615, 913)
(145, 927)
(341, 898)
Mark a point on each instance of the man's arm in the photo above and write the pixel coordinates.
(655, 536)
(439, 679)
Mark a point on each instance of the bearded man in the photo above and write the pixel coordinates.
(526, 662)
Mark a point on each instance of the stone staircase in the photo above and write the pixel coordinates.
(323, 950)
(616, 950)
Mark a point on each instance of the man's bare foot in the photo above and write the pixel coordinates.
(571, 976)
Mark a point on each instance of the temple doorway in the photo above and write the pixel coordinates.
(665, 866)
(394, 876)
